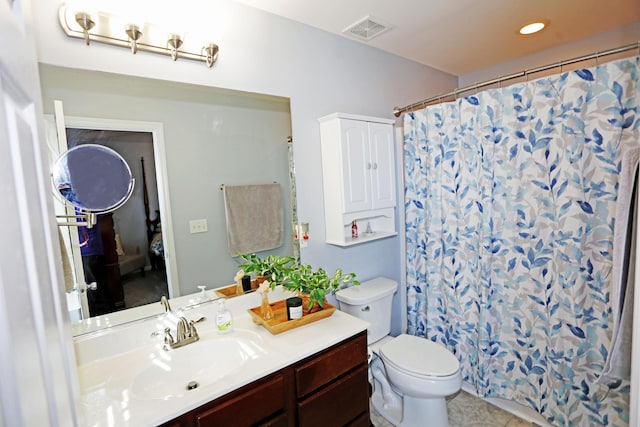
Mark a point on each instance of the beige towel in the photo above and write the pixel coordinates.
(255, 217)
(67, 273)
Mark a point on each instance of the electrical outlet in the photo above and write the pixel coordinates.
(198, 226)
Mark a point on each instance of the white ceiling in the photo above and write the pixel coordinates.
(462, 36)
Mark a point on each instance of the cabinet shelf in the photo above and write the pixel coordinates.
(363, 238)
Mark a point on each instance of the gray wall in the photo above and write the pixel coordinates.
(211, 137)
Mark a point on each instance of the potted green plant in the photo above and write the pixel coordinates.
(315, 284)
(309, 283)
(275, 268)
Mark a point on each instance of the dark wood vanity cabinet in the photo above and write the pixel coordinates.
(329, 388)
(332, 387)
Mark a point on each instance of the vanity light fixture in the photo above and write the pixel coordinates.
(99, 27)
(134, 33)
(84, 20)
(532, 27)
(174, 42)
(211, 53)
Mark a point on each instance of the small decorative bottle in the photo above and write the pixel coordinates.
(265, 307)
(294, 308)
(354, 230)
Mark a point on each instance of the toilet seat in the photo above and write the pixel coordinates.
(419, 357)
(374, 347)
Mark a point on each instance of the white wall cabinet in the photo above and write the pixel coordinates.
(358, 172)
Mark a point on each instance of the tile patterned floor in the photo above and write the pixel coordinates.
(466, 410)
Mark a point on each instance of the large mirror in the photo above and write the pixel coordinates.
(210, 137)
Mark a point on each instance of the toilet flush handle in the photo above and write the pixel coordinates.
(366, 308)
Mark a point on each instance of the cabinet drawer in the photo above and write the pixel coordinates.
(332, 363)
(256, 403)
(341, 403)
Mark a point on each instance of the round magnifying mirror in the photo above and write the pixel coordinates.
(93, 178)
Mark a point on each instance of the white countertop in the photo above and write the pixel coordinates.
(109, 361)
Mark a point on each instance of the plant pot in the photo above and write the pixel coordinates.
(305, 304)
(256, 283)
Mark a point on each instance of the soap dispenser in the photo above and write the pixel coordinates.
(224, 320)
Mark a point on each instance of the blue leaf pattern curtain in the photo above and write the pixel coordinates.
(510, 200)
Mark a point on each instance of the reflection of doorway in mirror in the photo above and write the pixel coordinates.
(135, 272)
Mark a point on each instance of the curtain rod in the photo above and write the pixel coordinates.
(397, 111)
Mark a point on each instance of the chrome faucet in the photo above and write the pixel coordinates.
(165, 302)
(186, 333)
(186, 330)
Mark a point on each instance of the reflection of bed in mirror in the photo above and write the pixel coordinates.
(130, 260)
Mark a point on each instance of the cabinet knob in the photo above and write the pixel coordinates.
(375, 166)
(368, 165)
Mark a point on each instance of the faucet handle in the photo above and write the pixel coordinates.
(193, 332)
(168, 338)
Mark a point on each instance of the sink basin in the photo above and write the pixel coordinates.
(172, 374)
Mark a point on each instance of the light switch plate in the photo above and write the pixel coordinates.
(198, 226)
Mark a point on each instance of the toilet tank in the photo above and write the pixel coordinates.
(370, 301)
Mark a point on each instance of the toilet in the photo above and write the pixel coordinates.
(411, 376)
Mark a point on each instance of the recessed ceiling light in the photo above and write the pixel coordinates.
(534, 27)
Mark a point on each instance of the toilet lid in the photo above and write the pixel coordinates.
(419, 356)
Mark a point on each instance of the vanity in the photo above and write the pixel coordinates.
(313, 375)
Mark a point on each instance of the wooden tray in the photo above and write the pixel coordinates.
(230, 291)
(280, 323)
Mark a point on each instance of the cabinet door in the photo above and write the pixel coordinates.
(383, 187)
(356, 166)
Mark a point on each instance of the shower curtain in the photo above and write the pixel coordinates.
(510, 199)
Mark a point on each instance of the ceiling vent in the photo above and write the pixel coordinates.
(366, 28)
